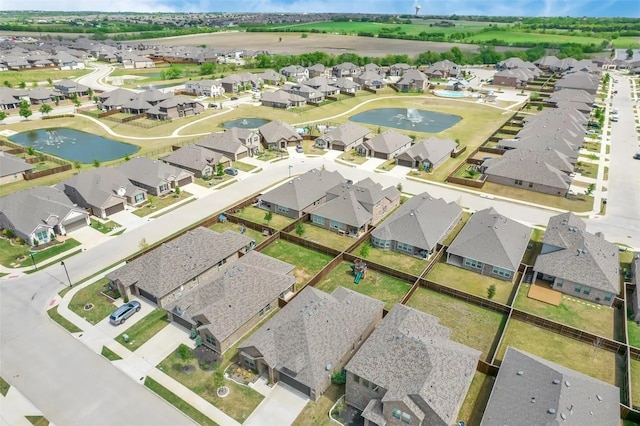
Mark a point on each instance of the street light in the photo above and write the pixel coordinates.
(33, 260)
(67, 272)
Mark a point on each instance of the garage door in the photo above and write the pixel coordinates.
(114, 209)
(183, 322)
(294, 383)
(406, 163)
(185, 181)
(150, 297)
(242, 155)
(380, 155)
(72, 226)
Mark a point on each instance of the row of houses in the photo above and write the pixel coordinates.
(152, 103)
(10, 98)
(17, 58)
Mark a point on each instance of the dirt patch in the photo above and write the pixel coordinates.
(293, 43)
(188, 369)
(207, 359)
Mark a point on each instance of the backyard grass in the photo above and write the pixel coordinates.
(392, 259)
(104, 227)
(109, 354)
(534, 247)
(37, 420)
(65, 323)
(468, 281)
(353, 157)
(245, 167)
(325, 237)
(454, 232)
(9, 253)
(538, 197)
(236, 227)
(476, 399)
(256, 215)
(379, 286)
(102, 305)
(470, 325)
(577, 313)
(240, 402)
(178, 402)
(635, 383)
(316, 413)
(160, 203)
(307, 262)
(145, 329)
(633, 330)
(4, 387)
(582, 357)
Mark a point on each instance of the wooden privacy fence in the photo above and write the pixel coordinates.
(36, 175)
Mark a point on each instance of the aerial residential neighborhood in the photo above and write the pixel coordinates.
(359, 219)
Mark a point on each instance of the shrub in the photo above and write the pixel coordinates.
(491, 291)
(184, 353)
(339, 378)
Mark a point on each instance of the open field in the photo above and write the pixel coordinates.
(518, 37)
(571, 353)
(37, 77)
(470, 325)
(307, 262)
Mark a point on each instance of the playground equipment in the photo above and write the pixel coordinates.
(359, 270)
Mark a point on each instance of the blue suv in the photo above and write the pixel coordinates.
(120, 315)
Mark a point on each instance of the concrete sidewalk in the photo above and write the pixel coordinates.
(281, 407)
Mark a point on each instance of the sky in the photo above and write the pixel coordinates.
(602, 8)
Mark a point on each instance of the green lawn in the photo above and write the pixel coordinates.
(588, 169)
(145, 329)
(476, 399)
(379, 286)
(577, 313)
(470, 325)
(240, 402)
(387, 165)
(534, 247)
(68, 325)
(4, 387)
(315, 413)
(307, 262)
(179, 403)
(353, 157)
(37, 420)
(256, 215)
(245, 167)
(104, 227)
(236, 227)
(635, 383)
(325, 237)
(393, 259)
(35, 75)
(471, 282)
(109, 354)
(102, 306)
(10, 253)
(160, 203)
(633, 330)
(538, 197)
(579, 356)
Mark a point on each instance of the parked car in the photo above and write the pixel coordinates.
(614, 111)
(120, 315)
(636, 156)
(299, 149)
(234, 98)
(614, 117)
(231, 171)
(213, 105)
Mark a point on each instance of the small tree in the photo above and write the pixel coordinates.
(339, 378)
(540, 107)
(89, 92)
(184, 353)
(177, 190)
(143, 244)
(77, 165)
(150, 199)
(299, 229)
(491, 291)
(629, 53)
(591, 188)
(365, 250)
(7, 84)
(527, 106)
(45, 109)
(22, 85)
(219, 169)
(31, 151)
(96, 163)
(50, 81)
(24, 110)
(399, 186)
(3, 115)
(268, 216)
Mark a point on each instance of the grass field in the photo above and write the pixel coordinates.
(379, 286)
(325, 237)
(145, 329)
(470, 325)
(160, 203)
(102, 306)
(476, 399)
(538, 197)
(307, 262)
(33, 77)
(571, 353)
(579, 314)
(9, 253)
(512, 37)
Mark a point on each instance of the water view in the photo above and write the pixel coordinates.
(245, 123)
(407, 119)
(74, 145)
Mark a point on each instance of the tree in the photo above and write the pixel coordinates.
(268, 216)
(3, 115)
(31, 151)
(143, 244)
(184, 353)
(591, 188)
(399, 186)
(219, 169)
(177, 191)
(24, 110)
(540, 107)
(491, 291)
(45, 109)
(365, 249)
(150, 199)
(77, 165)
(89, 92)
(629, 52)
(339, 378)
(299, 229)
(96, 163)
(207, 68)
(22, 85)
(7, 83)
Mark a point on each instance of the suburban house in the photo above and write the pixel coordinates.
(345, 137)
(209, 88)
(351, 209)
(174, 107)
(155, 177)
(345, 69)
(443, 69)
(200, 161)
(103, 191)
(312, 337)
(270, 77)
(301, 194)
(235, 83)
(295, 73)
(387, 145)
(410, 372)
(234, 143)
(370, 80)
(318, 70)
(115, 99)
(38, 214)
(347, 86)
(515, 63)
(69, 88)
(417, 226)
(282, 99)
(224, 307)
(397, 70)
(42, 95)
(164, 274)
(413, 81)
(576, 262)
(579, 80)
(132, 60)
(531, 391)
(10, 98)
(277, 135)
(518, 77)
(311, 95)
(427, 154)
(12, 169)
(490, 244)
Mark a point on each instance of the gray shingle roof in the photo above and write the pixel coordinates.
(194, 157)
(388, 142)
(410, 355)
(151, 172)
(313, 331)
(366, 191)
(492, 238)
(302, 191)
(10, 165)
(421, 222)
(275, 131)
(531, 391)
(430, 149)
(230, 141)
(571, 253)
(345, 209)
(98, 186)
(169, 266)
(346, 134)
(547, 167)
(235, 294)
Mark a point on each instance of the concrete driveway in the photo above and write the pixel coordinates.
(281, 407)
(88, 237)
(128, 220)
(371, 164)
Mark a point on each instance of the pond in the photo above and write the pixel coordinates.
(74, 145)
(245, 123)
(407, 119)
(157, 86)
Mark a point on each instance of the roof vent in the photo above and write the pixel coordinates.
(551, 411)
(556, 382)
(599, 397)
(567, 384)
(520, 373)
(533, 399)
(563, 416)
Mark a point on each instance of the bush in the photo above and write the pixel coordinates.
(491, 291)
(184, 353)
(339, 378)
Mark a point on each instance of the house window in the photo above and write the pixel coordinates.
(261, 312)
(559, 282)
(319, 220)
(607, 297)
(501, 272)
(518, 182)
(577, 288)
(472, 263)
(405, 247)
(406, 418)
(210, 340)
(282, 209)
(365, 383)
(334, 224)
(268, 307)
(380, 242)
(222, 262)
(530, 185)
(164, 187)
(586, 290)
(356, 378)
(43, 236)
(138, 198)
(396, 413)
(250, 363)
